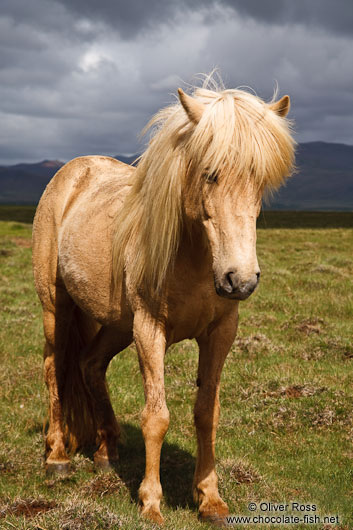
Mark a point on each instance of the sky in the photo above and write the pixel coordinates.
(82, 77)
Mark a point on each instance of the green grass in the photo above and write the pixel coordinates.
(286, 427)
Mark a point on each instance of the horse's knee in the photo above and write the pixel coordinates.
(202, 419)
(155, 423)
(206, 414)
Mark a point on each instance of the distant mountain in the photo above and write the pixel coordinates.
(25, 183)
(324, 180)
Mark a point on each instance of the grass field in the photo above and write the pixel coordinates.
(286, 428)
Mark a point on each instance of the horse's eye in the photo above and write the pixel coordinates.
(212, 177)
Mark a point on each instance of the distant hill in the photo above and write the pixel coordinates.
(324, 180)
(25, 183)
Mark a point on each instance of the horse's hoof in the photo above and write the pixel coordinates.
(153, 515)
(215, 514)
(57, 468)
(104, 464)
(216, 520)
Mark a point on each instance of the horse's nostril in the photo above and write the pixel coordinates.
(258, 274)
(230, 278)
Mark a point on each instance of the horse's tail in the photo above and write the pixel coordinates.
(78, 414)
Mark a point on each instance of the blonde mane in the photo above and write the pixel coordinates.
(238, 136)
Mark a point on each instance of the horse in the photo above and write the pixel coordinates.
(155, 253)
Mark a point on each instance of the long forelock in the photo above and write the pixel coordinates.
(238, 136)
(241, 138)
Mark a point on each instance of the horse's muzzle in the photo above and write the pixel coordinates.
(230, 286)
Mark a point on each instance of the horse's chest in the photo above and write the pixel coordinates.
(190, 311)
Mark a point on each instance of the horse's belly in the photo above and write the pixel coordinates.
(85, 269)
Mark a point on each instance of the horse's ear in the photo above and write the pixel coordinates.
(281, 107)
(193, 108)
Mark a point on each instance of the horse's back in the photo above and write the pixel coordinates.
(79, 178)
(72, 229)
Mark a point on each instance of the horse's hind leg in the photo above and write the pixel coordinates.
(94, 363)
(56, 324)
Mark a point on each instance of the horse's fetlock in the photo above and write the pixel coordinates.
(150, 493)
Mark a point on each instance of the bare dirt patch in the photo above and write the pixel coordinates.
(4, 252)
(28, 507)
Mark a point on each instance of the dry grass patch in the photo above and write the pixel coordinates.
(311, 325)
(258, 343)
(80, 515)
(102, 485)
(240, 472)
(295, 391)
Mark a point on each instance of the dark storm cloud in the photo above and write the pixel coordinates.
(127, 17)
(81, 76)
(332, 15)
(131, 17)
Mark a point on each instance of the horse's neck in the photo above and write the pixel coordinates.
(194, 250)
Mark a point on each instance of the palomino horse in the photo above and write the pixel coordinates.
(155, 254)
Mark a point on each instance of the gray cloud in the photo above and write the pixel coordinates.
(130, 17)
(334, 16)
(80, 77)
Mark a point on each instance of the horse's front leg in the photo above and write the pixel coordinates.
(151, 344)
(214, 346)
